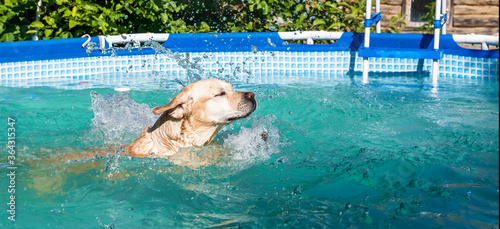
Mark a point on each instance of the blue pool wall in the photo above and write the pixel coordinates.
(260, 55)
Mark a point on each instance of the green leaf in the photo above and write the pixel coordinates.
(48, 32)
(298, 8)
(298, 24)
(350, 17)
(335, 25)
(394, 28)
(65, 34)
(73, 12)
(331, 4)
(67, 13)
(249, 26)
(104, 27)
(7, 16)
(49, 20)
(164, 17)
(319, 21)
(204, 28)
(90, 8)
(393, 19)
(72, 23)
(234, 29)
(31, 31)
(8, 3)
(60, 2)
(344, 4)
(7, 37)
(37, 24)
(266, 9)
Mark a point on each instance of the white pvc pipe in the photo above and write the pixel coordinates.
(323, 35)
(368, 17)
(444, 10)
(138, 37)
(435, 71)
(367, 41)
(436, 30)
(314, 35)
(377, 10)
(475, 39)
(435, 63)
(484, 46)
(365, 70)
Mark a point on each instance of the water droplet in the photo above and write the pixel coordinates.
(254, 49)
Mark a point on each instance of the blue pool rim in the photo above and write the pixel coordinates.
(417, 46)
(253, 57)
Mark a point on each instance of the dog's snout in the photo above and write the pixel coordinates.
(249, 95)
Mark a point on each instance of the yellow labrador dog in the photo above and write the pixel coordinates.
(193, 118)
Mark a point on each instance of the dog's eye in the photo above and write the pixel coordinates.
(221, 94)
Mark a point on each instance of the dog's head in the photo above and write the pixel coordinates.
(210, 101)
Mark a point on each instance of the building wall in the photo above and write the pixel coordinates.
(464, 16)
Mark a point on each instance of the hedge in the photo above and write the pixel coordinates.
(73, 18)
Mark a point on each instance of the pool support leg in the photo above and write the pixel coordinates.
(367, 41)
(435, 63)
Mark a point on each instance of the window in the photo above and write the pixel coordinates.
(419, 9)
(415, 9)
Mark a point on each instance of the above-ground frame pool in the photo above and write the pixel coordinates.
(398, 151)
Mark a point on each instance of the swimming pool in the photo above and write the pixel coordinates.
(396, 152)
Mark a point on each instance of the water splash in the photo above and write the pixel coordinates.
(253, 144)
(194, 66)
(117, 118)
(112, 164)
(270, 42)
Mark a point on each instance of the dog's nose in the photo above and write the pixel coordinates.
(249, 95)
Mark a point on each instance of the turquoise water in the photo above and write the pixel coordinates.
(396, 153)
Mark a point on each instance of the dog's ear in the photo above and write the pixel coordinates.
(177, 108)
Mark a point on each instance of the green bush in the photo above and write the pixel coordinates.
(73, 18)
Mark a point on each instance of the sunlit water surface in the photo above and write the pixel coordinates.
(394, 153)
